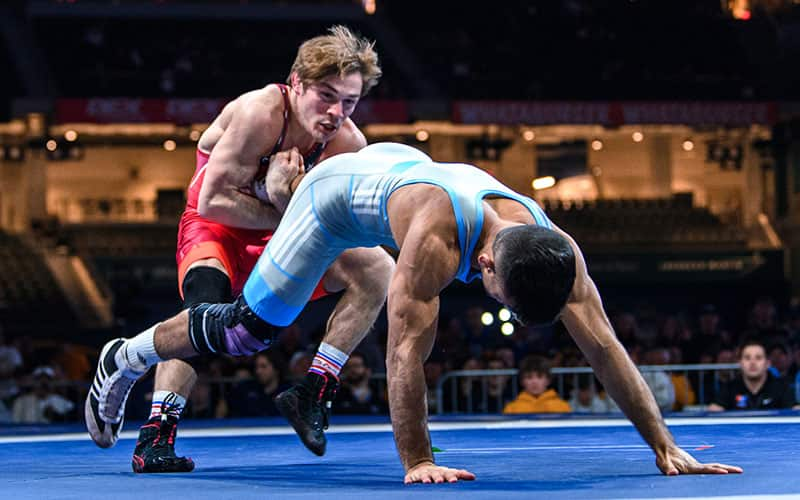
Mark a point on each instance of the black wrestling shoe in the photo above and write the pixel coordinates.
(105, 404)
(307, 407)
(155, 448)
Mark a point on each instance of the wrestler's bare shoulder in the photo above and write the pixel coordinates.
(259, 108)
(264, 100)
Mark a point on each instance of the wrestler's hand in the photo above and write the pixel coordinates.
(284, 166)
(677, 461)
(427, 473)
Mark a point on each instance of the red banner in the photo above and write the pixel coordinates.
(185, 111)
(130, 110)
(614, 113)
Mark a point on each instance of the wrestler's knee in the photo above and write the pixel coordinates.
(229, 329)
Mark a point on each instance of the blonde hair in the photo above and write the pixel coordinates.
(339, 53)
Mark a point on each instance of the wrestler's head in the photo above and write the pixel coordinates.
(329, 76)
(531, 271)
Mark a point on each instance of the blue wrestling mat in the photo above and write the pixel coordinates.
(552, 459)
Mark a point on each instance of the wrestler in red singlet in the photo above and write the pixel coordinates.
(238, 249)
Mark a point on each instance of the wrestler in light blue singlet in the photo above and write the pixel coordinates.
(341, 204)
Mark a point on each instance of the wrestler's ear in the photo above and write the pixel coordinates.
(297, 84)
(484, 261)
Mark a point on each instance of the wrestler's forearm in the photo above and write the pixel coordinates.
(588, 324)
(236, 209)
(407, 397)
(625, 385)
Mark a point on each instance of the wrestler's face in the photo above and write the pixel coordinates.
(323, 106)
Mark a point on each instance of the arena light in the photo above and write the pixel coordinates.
(369, 6)
(529, 135)
(487, 318)
(14, 153)
(507, 329)
(504, 314)
(71, 135)
(687, 145)
(51, 145)
(543, 182)
(423, 135)
(194, 135)
(637, 136)
(170, 145)
(597, 145)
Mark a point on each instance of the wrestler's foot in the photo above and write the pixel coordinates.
(307, 407)
(105, 404)
(155, 448)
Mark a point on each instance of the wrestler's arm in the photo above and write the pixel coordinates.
(589, 326)
(426, 264)
(234, 163)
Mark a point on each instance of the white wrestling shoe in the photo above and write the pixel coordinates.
(105, 403)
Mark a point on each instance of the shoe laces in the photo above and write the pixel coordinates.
(327, 394)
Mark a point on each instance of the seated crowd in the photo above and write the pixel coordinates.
(41, 382)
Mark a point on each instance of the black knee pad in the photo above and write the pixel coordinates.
(229, 329)
(206, 284)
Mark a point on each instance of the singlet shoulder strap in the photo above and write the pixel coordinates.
(312, 158)
(264, 163)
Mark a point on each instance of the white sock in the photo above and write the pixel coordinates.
(328, 360)
(167, 403)
(139, 353)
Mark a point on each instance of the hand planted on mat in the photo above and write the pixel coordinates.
(677, 461)
(427, 473)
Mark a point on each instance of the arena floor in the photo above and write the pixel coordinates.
(545, 458)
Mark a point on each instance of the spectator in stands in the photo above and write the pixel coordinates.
(291, 340)
(74, 362)
(780, 362)
(674, 334)
(299, 364)
(10, 363)
(626, 328)
(254, 397)
(42, 405)
(709, 338)
(450, 341)
(469, 390)
(585, 399)
(756, 388)
(684, 393)
(434, 367)
(358, 393)
(5, 414)
(498, 390)
(763, 322)
(479, 337)
(534, 373)
(203, 402)
(659, 381)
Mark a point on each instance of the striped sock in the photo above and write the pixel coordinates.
(329, 360)
(167, 403)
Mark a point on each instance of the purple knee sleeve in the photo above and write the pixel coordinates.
(239, 342)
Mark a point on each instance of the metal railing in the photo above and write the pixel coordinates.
(561, 378)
